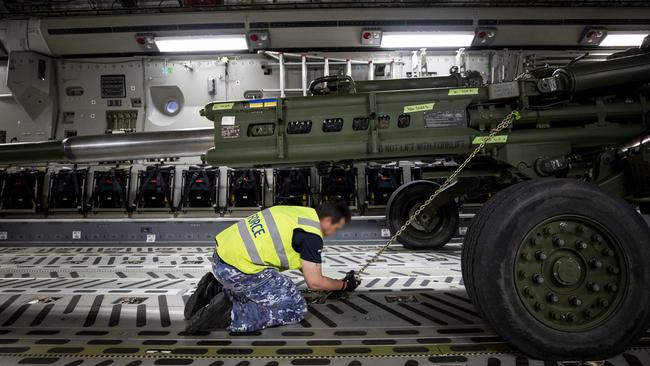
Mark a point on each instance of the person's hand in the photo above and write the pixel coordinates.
(351, 281)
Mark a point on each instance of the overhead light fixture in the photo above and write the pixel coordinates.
(426, 39)
(620, 39)
(229, 42)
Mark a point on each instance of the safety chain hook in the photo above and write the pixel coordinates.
(505, 123)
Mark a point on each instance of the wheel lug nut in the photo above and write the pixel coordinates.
(538, 279)
(539, 307)
(581, 244)
(526, 257)
(580, 229)
(588, 313)
(547, 230)
(597, 238)
(611, 287)
(608, 252)
(558, 242)
(575, 301)
(571, 317)
(603, 302)
(555, 316)
(563, 226)
(596, 263)
(593, 287)
(551, 297)
(526, 291)
(534, 241)
(522, 274)
(613, 270)
(540, 255)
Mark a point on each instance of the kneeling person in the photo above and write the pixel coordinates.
(251, 293)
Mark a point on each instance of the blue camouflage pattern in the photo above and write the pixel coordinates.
(260, 300)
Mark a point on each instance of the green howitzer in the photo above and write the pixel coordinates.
(557, 266)
(376, 124)
(571, 120)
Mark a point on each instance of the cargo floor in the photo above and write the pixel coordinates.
(124, 305)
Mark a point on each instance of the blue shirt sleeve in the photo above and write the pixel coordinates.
(308, 245)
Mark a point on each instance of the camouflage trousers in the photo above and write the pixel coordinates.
(260, 300)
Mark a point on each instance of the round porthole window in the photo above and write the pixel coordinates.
(172, 107)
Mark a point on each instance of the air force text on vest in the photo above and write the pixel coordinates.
(255, 226)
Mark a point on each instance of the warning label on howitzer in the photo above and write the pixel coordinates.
(230, 132)
(498, 139)
(463, 91)
(222, 106)
(441, 119)
(418, 107)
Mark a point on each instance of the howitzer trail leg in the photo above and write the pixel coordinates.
(261, 300)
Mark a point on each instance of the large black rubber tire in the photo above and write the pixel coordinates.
(474, 229)
(489, 253)
(414, 195)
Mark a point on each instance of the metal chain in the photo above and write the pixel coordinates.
(507, 120)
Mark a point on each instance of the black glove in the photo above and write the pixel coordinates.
(351, 281)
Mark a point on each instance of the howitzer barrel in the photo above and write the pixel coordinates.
(599, 76)
(128, 146)
(566, 114)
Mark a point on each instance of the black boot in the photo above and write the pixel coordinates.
(207, 288)
(216, 315)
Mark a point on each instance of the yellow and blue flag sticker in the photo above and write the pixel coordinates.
(263, 103)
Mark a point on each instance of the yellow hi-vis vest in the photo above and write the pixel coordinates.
(263, 239)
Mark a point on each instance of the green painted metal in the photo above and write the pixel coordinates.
(557, 119)
(570, 273)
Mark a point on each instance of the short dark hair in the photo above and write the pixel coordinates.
(336, 209)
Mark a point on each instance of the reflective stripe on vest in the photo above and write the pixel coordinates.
(308, 222)
(264, 239)
(248, 243)
(275, 237)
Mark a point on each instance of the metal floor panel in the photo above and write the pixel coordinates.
(124, 306)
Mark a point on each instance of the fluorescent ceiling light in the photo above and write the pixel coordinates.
(623, 39)
(426, 39)
(230, 42)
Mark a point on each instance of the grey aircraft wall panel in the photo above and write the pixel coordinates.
(175, 232)
(90, 108)
(16, 121)
(191, 76)
(129, 232)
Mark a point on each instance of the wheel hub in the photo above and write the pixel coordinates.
(567, 271)
(425, 221)
(571, 273)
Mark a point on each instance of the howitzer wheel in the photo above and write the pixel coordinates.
(557, 267)
(432, 229)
